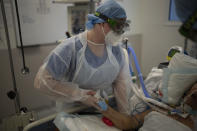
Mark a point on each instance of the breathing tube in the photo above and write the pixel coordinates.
(147, 99)
(131, 51)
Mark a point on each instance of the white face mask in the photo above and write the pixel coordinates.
(112, 38)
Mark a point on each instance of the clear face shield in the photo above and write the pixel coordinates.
(119, 26)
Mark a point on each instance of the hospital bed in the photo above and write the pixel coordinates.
(46, 123)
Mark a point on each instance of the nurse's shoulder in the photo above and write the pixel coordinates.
(65, 46)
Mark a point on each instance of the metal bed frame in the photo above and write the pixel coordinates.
(49, 118)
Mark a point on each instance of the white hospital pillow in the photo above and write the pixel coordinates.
(179, 61)
(180, 75)
(175, 83)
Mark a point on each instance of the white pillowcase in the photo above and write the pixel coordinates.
(180, 61)
(175, 83)
(180, 75)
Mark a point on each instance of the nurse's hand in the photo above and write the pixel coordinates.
(91, 100)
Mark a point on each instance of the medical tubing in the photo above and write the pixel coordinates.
(149, 100)
(147, 97)
(130, 66)
(130, 49)
(154, 107)
(131, 71)
(152, 103)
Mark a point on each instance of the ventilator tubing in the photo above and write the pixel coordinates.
(147, 99)
(131, 50)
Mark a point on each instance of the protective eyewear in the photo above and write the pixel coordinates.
(187, 28)
(119, 26)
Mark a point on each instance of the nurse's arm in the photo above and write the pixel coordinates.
(122, 85)
(57, 90)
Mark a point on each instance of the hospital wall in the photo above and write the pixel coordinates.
(150, 19)
(29, 97)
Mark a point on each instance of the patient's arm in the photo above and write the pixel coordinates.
(123, 121)
(126, 122)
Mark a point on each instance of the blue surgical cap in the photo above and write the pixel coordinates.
(92, 20)
(109, 8)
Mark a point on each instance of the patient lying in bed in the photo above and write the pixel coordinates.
(122, 121)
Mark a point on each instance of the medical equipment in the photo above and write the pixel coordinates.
(173, 50)
(101, 101)
(144, 95)
(133, 77)
(102, 105)
(130, 50)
